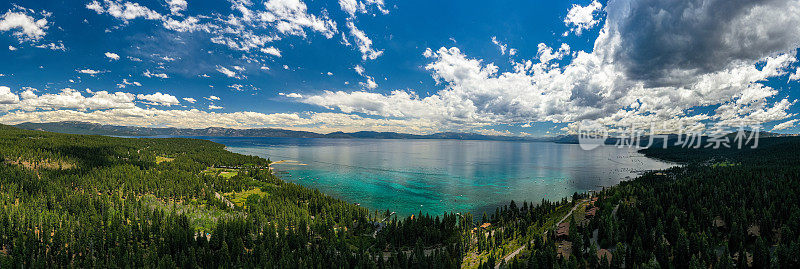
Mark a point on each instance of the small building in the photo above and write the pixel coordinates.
(564, 249)
(719, 222)
(485, 225)
(591, 212)
(563, 230)
(378, 227)
(754, 230)
(604, 253)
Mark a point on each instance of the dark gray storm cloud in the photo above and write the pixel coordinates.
(668, 42)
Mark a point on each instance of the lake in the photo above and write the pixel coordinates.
(434, 176)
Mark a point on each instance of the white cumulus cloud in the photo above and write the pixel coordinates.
(796, 75)
(159, 99)
(581, 18)
(785, 125)
(112, 56)
(248, 27)
(72, 99)
(149, 74)
(499, 45)
(352, 7)
(176, 6)
(229, 73)
(24, 26)
(90, 72)
(370, 81)
(124, 11)
(7, 97)
(272, 51)
(363, 42)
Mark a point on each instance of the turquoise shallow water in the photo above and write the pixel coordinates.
(434, 176)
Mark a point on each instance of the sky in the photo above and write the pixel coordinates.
(522, 68)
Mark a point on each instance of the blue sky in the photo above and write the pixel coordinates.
(501, 67)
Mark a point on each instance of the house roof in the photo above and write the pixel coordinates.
(604, 252)
(563, 229)
(591, 212)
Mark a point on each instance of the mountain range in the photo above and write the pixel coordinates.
(73, 127)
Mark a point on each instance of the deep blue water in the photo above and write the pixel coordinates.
(434, 176)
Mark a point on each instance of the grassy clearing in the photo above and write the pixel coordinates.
(579, 214)
(239, 198)
(161, 159)
(41, 164)
(473, 260)
(553, 218)
(724, 164)
(228, 174)
(222, 172)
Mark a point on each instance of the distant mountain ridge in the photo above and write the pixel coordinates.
(74, 127)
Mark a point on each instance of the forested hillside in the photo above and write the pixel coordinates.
(723, 209)
(96, 201)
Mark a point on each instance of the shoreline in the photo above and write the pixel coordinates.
(288, 162)
(477, 209)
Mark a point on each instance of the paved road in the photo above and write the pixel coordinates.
(515, 252)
